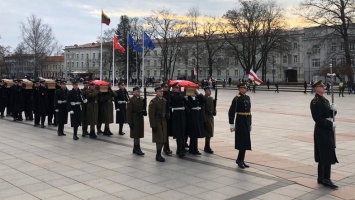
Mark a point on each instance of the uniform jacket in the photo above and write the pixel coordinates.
(241, 104)
(122, 96)
(3, 96)
(208, 113)
(92, 109)
(178, 117)
(135, 117)
(17, 98)
(40, 101)
(106, 106)
(324, 143)
(60, 103)
(157, 119)
(84, 107)
(74, 103)
(195, 118)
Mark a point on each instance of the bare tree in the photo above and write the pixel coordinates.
(39, 39)
(4, 50)
(168, 31)
(107, 46)
(254, 31)
(337, 15)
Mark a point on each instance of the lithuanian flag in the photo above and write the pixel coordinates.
(105, 19)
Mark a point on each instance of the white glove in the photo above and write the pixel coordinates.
(71, 112)
(193, 98)
(198, 92)
(59, 101)
(56, 110)
(182, 89)
(232, 128)
(85, 101)
(117, 109)
(333, 107)
(334, 124)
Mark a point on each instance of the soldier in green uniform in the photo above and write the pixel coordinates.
(92, 110)
(84, 111)
(106, 110)
(157, 120)
(208, 112)
(240, 111)
(324, 139)
(135, 119)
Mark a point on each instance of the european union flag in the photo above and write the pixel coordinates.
(133, 44)
(148, 42)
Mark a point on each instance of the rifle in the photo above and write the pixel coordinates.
(215, 102)
(332, 75)
(144, 110)
(168, 105)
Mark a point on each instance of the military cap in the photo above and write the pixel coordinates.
(318, 84)
(35, 81)
(136, 88)
(92, 84)
(42, 81)
(242, 85)
(175, 85)
(20, 80)
(85, 82)
(164, 85)
(61, 82)
(57, 80)
(74, 82)
(15, 80)
(121, 82)
(207, 88)
(158, 89)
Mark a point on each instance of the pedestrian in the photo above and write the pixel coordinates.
(121, 106)
(328, 88)
(157, 120)
(341, 88)
(84, 124)
(209, 112)
(349, 84)
(254, 86)
(268, 84)
(135, 119)
(305, 87)
(106, 110)
(277, 87)
(92, 110)
(61, 108)
(75, 100)
(241, 124)
(229, 81)
(311, 84)
(324, 138)
(167, 96)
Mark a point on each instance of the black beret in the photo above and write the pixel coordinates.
(57, 80)
(136, 88)
(318, 84)
(158, 89)
(242, 85)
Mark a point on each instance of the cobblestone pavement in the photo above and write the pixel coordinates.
(35, 163)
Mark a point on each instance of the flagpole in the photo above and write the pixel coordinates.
(113, 62)
(101, 49)
(127, 58)
(143, 63)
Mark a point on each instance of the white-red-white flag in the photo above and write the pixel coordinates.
(254, 77)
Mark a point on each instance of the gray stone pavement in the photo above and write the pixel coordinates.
(37, 164)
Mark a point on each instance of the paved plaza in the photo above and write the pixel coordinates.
(35, 163)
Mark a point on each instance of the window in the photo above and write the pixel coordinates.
(316, 49)
(186, 61)
(87, 56)
(227, 72)
(193, 61)
(82, 56)
(185, 72)
(342, 46)
(155, 72)
(178, 71)
(148, 62)
(77, 56)
(342, 60)
(218, 72)
(93, 64)
(99, 55)
(77, 64)
(352, 62)
(155, 63)
(72, 64)
(295, 45)
(334, 62)
(315, 63)
(82, 64)
(235, 72)
(334, 47)
(295, 58)
(155, 52)
(351, 47)
(148, 72)
(93, 55)
(284, 58)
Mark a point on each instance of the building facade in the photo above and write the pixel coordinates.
(53, 67)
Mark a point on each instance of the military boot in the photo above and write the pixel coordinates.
(85, 132)
(92, 134)
(159, 158)
(75, 136)
(106, 132)
(137, 150)
(207, 148)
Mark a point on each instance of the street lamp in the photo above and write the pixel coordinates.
(309, 65)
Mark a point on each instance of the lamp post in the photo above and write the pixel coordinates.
(309, 66)
(273, 69)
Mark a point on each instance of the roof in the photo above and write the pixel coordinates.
(55, 59)
(87, 45)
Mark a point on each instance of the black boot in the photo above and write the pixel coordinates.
(106, 132)
(240, 164)
(245, 165)
(109, 131)
(120, 130)
(92, 134)
(137, 150)
(75, 136)
(159, 158)
(85, 132)
(207, 148)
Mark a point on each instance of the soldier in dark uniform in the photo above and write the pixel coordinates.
(178, 126)
(106, 110)
(324, 138)
(135, 119)
(51, 110)
(75, 101)
(61, 108)
(166, 95)
(195, 121)
(17, 100)
(9, 105)
(121, 105)
(157, 120)
(240, 111)
(84, 110)
(3, 98)
(40, 104)
(28, 108)
(92, 110)
(208, 112)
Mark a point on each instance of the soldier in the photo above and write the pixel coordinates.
(121, 105)
(135, 119)
(9, 105)
(240, 108)
(157, 120)
(40, 105)
(195, 121)
(61, 108)
(17, 100)
(52, 118)
(208, 111)
(84, 111)
(106, 110)
(178, 119)
(75, 100)
(92, 110)
(167, 95)
(3, 98)
(324, 138)
(28, 108)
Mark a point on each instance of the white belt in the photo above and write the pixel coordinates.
(75, 103)
(196, 108)
(329, 118)
(60, 101)
(121, 102)
(178, 108)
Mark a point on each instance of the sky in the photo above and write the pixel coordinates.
(79, 21)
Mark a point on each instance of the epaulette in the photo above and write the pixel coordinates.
(314, 100)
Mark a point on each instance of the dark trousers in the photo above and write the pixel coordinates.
(2, 110)
(60, 128)
(75, 130)
(180, 143)
(241, 155)
(193, 145)
(17, 115)
(40, 118)
(120, 127)
(29, 114)
(324, 171)
(166, 145)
